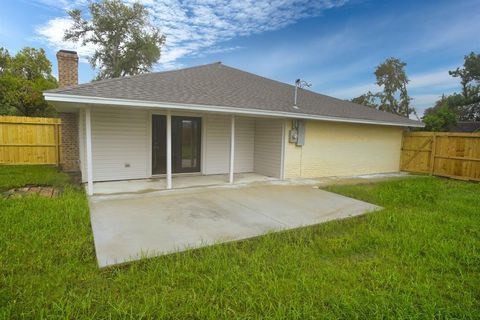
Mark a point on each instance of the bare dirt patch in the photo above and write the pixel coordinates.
(44, 191)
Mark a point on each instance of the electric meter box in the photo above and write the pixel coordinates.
(297, 134)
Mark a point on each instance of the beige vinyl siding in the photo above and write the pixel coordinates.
(342, 149)
(268, 147)
(217, 144)
(244, 144)
(119, 137)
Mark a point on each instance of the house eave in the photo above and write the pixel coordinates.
(58, 97)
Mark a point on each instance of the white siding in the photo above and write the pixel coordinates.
(81, 144)
(217, 144)
(268, 147)
(120, 137)
(244, 144)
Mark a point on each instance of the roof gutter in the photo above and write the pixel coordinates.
(58, 97)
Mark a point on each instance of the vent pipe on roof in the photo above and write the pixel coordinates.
(299, 84)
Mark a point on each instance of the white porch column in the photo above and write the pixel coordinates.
(169, 150)
(232, 148)
(88, 151)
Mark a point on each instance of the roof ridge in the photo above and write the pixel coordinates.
(256, 75)
(181, 69)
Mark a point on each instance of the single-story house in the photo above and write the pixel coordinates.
(214, 119)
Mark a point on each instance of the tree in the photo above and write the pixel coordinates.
(368, 99)
(126, 42)
(440, 119)
(4, 60)
(469, 74)
(23, 78)
(32, 64)
(464, 109)
(465, 105)
(392, 77)
(468, 103)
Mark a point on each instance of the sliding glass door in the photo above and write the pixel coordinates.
(159, 144)
(186, 144)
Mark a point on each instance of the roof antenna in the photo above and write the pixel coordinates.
(299, 84)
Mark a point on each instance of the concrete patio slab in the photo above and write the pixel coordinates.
(127, 228)
(179, 182)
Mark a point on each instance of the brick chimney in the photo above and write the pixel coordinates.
(67, 68)
(68, 76)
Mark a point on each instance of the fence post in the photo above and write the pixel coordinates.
(432, 153)
(402, 152)
(59, 142)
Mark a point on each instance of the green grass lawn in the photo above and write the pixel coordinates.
(418, 258)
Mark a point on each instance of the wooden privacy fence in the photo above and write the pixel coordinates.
(28, 140)
(447, 154)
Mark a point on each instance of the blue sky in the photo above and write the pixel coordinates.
(333, 44)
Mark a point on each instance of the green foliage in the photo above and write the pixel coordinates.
(32, 64)
(392, 77)
(469, 108)
(5, 59)
(469, 74)
(23, 78)
(394, 98)
(465, 105)
(440, 119)
(126, 42)
(368, 99)
(416, 259)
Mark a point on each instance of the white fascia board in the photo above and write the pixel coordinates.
(58, 97)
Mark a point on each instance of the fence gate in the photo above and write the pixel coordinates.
(29, 140)
(448, 154)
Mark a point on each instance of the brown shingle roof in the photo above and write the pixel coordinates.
(219, 85)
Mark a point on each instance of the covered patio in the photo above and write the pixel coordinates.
(125, 149)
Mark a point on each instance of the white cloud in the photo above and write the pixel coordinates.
(52, 33)
(425, 100)
(432, 81)
(62, 4)
(354, 91)
(193, 27)
(436, 79)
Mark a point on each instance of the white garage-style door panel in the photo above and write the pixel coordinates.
(120, 144)
(268, 147)
(217, 144)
